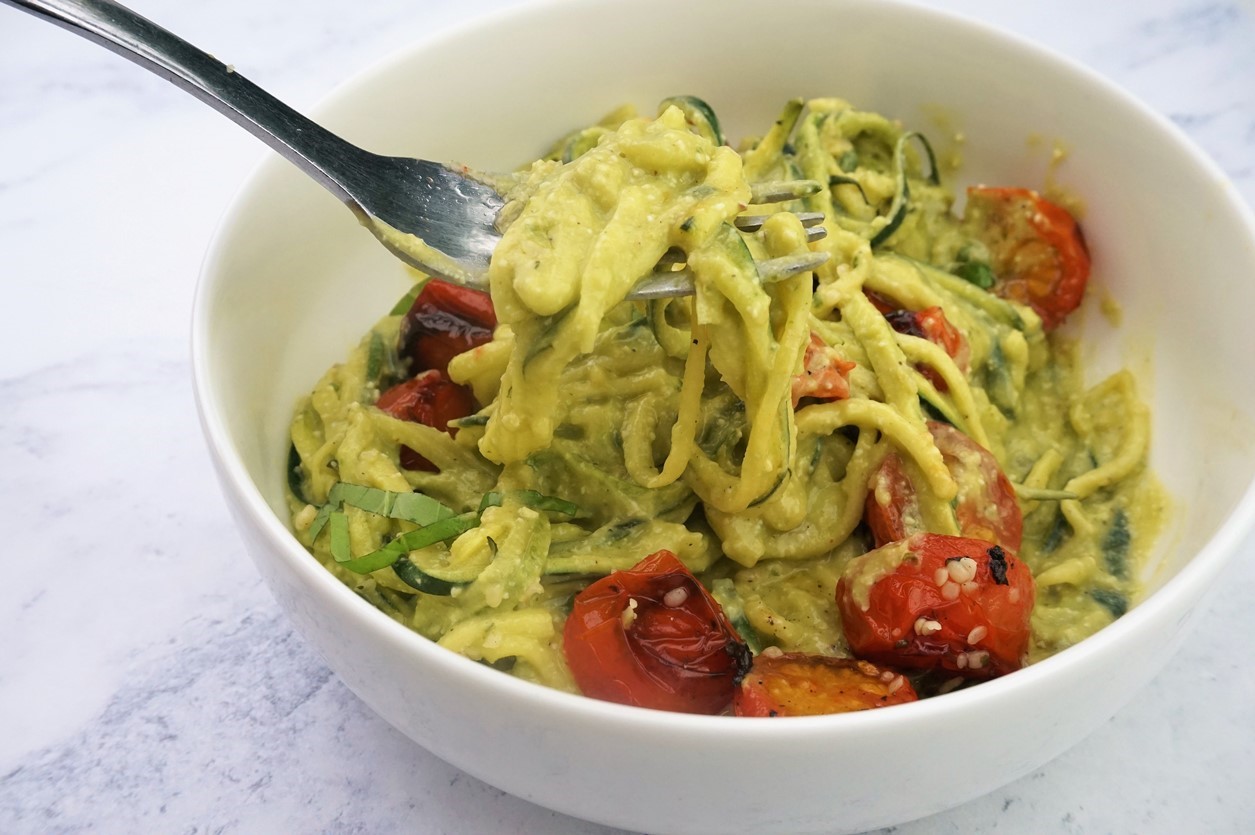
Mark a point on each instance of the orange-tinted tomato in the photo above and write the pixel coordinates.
(432, 399)
(444, 321)
(795, 684)
(1038, 254)
(652, 636)
(950, 603)
(986, 505)
(825, 375)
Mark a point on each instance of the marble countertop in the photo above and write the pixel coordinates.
(148, 682)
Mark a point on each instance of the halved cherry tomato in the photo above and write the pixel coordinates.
(432, 399)
(892, 508)
(938, 602)
(986, 505)
(796, 684)
(1038, 253)
(444, 321)
(825, 374)
(652, 636)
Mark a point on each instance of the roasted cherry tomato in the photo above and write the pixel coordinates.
(986, 505)
(1036, 248)
(825, 374)
(652, 636)
(938, 602)
(931, 324)
(795, 684)
(432, 399)
(444, 321)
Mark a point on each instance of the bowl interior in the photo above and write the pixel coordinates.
(298, 282)
(293, 282)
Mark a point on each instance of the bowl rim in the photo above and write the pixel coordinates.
(1191, 582)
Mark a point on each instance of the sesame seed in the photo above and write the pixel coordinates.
(961, 570)
(1014, 595)
(771, 652)
(949, 684)
(941, 576)
(977, 634)
(971, 587)
(676, 597)
(926, 626)
(896, 684)
(976, 660)
(887, 676)
(950, 591)
(960, 660)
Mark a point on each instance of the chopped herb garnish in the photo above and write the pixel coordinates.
(1112, 601)
(407, 301)
(1115, 545)
(437, 523)
(1058, 532)
(338, 532)
(976, 272)
(412, 541)
(375, 357)
(410, 507)
(532, 499)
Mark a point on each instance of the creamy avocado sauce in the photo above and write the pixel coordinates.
(671, 424)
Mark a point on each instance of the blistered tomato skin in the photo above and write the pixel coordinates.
(431, 399)
(444, 321)
(1039, 254)
(796, 684)
(986, 507)
(652, 636)
(951, 603)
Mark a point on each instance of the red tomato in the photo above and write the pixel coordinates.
(432, 399)
(1038, 253)
(653, 637)
(444, 321)
(948, 602)
(892, 507)
(794, 684)
(825, 375)
(986, 505)
(931, 324)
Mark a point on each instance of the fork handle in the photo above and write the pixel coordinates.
(312, 148)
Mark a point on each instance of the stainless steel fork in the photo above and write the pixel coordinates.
(449, 208)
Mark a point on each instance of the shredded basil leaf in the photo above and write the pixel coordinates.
(338, 531)
(412, 541)
(403, 306)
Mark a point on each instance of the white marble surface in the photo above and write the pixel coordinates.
(149, 683)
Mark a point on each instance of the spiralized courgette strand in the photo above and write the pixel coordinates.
(610, 429)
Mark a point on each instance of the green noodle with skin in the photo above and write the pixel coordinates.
(611, 429)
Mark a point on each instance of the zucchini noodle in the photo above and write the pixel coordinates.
(741, 428)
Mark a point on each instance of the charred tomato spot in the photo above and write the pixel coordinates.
(998, 565)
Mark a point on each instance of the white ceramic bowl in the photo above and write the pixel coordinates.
(291, 282)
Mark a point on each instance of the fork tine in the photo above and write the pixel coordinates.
(752, 223)
(776, 192)
(676, 283)
(777, 269)
(811, 221)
